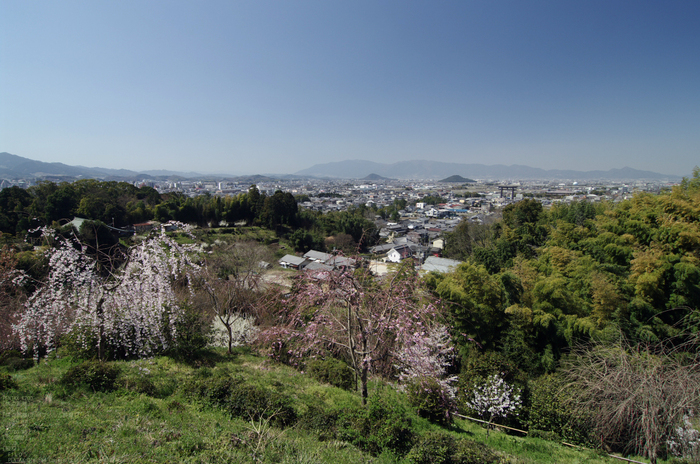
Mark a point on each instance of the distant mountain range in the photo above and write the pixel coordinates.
(422, 169)
(14, 167)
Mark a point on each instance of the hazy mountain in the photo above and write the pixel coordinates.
(374, 176)
(166, 173)
(422, 169)
(13, 166)
(16, 166)
(457, 179)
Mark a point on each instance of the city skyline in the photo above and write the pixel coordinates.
(271, 87)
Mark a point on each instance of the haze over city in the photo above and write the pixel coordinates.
(275, 87)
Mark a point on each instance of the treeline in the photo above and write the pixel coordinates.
(540, 282)
(592, 311)
(121, 204)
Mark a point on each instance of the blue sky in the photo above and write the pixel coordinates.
(247, 87)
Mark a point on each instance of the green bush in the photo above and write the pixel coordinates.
(213, 389)
(246, 401)
(430, 400)
(472, 452)
(441, 448)
(433, 448)
(332, 371)
(383, 424)
(139, 385)
(252, 403)
(7, 382)
(477, 366)
(321, 421)
(72, 344)
(9, 354)
(552, 409)
(193, 333)
(14, 361)
(96, 375)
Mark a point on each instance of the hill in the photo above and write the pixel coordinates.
(17, 167)
(374, 176)
(457, 179)
(161, 410)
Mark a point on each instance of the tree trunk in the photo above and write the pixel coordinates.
(230, 337)
(101, 341)
(365, 370)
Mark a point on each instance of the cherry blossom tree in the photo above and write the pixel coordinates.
(11, 296)
(427, 354)
(423, 361)
(351, 313)
(133, 307)
(493, 399)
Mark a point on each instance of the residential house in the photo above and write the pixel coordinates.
(442, 265)
(317, 256)
(293, 262)
(399, 253)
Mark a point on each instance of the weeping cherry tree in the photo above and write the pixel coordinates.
(132, 307)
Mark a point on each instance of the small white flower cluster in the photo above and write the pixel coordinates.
(685, 441)
(495, 398)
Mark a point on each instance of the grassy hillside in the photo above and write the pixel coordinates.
(239, 408)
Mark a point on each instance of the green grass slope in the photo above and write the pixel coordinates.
(241, 408)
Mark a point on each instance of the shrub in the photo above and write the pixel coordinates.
(321, 421)
(430, 400)
(7, 382)
(477, 366)
(494, 399)
(382, 425)
(332, 371)
(13, 360)
(212, 389)
(472, 452)
(433, 448)
(97, 375)
(552, 410)
(80, 345)
(193, 333)
(441, 448)
(253, 402)
(246, 401)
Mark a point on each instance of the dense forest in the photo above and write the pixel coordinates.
(579, 322)
(121, 205)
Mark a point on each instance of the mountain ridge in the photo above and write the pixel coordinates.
(14, 166)
(423, 169)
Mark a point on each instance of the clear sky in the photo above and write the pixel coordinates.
(246, 87)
